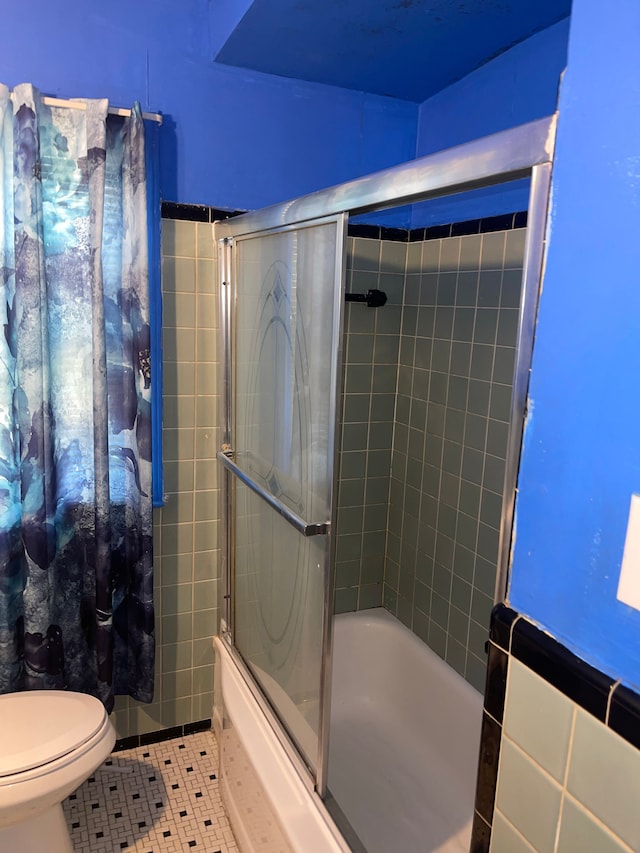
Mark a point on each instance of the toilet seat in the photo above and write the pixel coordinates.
(39, 728)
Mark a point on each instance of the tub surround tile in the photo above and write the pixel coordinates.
(604, 776)
(505, 838)
(528, 797)
(579, 831)
(189, 326)
(539, 718)
(441, 469)
(558, 744)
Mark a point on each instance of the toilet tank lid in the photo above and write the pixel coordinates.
(38, 726)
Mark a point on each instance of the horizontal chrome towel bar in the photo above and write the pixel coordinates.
(317, 528)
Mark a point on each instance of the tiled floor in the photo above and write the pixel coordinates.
(162, 798)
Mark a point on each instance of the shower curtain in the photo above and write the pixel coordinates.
(76, 608)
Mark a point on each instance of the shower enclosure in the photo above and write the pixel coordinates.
(283, 288)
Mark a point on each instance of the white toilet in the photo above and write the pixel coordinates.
(51, 741)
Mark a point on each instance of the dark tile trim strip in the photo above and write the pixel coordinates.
(127, 743)
(490, 739)
(480, 834)
(202, 213)
(497, 223)
(502, 620)
(437, 232)
(624, 714)
(371, 232)
(196, 212)
(199, 726)
(161, 735)
(505, 222)
(496, 686)
(463, 229)
(584, 684)
(614, 704)
(399, 235)
(217, 213)
(188, 212)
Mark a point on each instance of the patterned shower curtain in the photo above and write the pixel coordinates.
(76, 583)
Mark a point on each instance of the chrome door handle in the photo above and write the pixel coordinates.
(306, 528)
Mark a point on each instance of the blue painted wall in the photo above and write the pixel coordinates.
(519, 86)
(581, 460)
(232, 138)
(405, 49)
(240, 139)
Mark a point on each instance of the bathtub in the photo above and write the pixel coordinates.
(405, 735)
(405, 738)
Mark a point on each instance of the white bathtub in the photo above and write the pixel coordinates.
(405, 734)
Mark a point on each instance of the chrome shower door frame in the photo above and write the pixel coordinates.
(522, 152)
(313, 776)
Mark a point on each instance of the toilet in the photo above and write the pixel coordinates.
(51, 741)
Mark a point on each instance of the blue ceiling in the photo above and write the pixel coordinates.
(408, 49)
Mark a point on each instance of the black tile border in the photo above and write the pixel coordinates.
(480, 835)
(513, 635)
(187, 212)
(624, 714)
(198, 726)
(196, 212)
(371, 232)
(504, 222)
(399, 235)
(127, 743)
(437, 232)
(161, 735)
(470, 226)
(496, 684)
(583, 684)
(502, 619)
(490, 740)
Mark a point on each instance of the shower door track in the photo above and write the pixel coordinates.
(525, 151)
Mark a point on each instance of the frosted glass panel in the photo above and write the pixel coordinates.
(284, 332)
(284, 382)
(279, 609)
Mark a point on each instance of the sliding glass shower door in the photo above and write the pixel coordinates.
(283, 334)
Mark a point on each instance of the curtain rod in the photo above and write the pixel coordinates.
(80, 105)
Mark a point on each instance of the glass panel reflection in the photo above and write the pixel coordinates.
(284, 384)
(278, 616)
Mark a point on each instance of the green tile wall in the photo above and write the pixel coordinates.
(370, 360)
(425, 411)
(456, 357)
(566, 781)
(186, 528)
